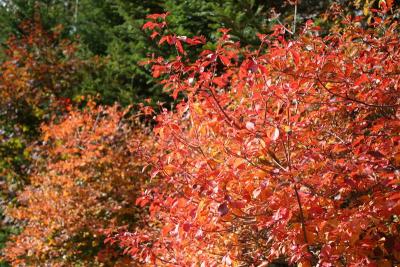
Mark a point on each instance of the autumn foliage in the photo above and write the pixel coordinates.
(38, 69)
(39, 65)
(288, 153)
(87, 175)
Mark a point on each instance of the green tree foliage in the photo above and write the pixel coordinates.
(112, 31)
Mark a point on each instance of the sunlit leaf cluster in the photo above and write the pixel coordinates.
(285, 153)
(87, 175)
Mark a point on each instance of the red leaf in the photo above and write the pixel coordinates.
(362, 79)
(296, 57)
(150, 25)
(186, 227)
(196, 40)
(225, 60)
(156, 16)
(329, 67)
(263, 69)
(154, 35)
(178, 46)
(221, 82)
(165, 38)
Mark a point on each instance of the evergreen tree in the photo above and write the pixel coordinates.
(112, 31)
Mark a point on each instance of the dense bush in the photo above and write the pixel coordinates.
(88, 172)
(287, 153)
(38, 69)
